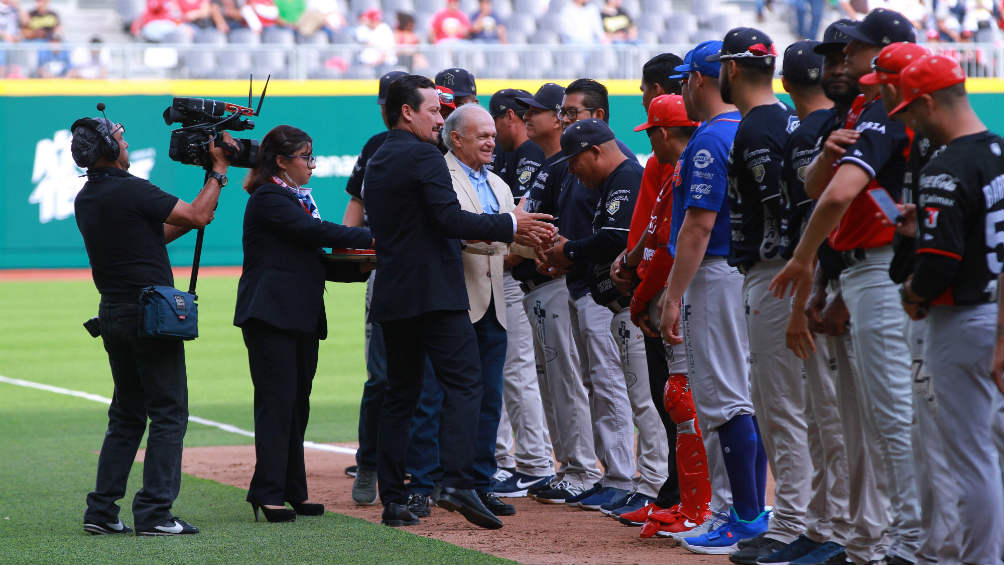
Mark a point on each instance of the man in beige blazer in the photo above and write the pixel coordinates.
(469, 134)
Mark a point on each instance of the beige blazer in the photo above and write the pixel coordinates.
(482, 261)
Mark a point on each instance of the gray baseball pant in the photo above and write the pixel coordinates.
(522, 409)
(563, 395)
(867, 507)
(959, 349)
(936, 487)
(613, 431)
(883, 369)
(653, 451)
(826, 516)
(778, 394)
(717, 351)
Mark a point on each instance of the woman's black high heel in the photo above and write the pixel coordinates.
(274, 514)
(307, 508)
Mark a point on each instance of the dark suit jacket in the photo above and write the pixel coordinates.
(417, 223)
(283, 277)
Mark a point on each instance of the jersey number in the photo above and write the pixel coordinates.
(995, 241)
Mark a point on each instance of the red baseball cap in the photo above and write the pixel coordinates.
(446, 97)
(666, 111)
(927, 75)
(891, 61)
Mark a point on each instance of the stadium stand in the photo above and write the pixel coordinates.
(325, 41)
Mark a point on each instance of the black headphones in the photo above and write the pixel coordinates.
(110, 149)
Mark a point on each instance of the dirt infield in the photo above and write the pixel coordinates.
(538, 533)
(85, 274)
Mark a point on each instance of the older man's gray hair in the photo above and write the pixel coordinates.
(458, 121)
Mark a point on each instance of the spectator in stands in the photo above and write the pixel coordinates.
(159, 20)
(450, 23)
(53, 62)
(260, 14)
(808, 16)
(90, 62)
(406, 40)
(196, 14)
(12, 18)
(378, 39)
(290, 11)
(486, 25)
(617, 23)
(42, 23)
(321, 15)
(226, 15)
(581, 24)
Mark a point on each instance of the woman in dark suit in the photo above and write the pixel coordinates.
(280, 310)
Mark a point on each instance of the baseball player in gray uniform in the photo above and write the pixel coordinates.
(960, 251)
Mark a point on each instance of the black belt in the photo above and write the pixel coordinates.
(619, 305)
(745, 267)
(854, 256)
(531, 284)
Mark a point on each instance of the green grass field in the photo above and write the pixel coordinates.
(49, 442)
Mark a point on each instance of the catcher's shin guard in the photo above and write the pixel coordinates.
(691, 459)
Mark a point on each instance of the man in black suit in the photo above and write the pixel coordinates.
(420, 298)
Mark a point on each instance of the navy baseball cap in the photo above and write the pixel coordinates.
(505, 100)
(548, 97)
(834, 38)
(461, 81)
(881, 27)
(748, 45)
(696, 60)
(582, 135)
(801, 63)
(385, 81)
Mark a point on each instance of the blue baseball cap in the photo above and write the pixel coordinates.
(582, 135)
(696, 60)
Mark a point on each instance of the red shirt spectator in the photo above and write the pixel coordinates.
(260, 14)
(450, 24)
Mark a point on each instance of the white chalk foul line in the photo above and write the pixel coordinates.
(195, 419)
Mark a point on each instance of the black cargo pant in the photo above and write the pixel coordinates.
(150, 382)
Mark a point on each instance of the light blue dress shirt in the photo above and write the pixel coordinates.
(479, 179)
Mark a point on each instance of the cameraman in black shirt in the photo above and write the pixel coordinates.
(126, 223)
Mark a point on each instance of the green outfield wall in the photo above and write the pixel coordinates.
(40, 180)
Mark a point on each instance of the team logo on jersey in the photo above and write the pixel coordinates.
(924, 145)
(792, 124)
(931, 221)
(613, 206)
(801, 173)
(524, 177)
(703, 158)
(759, 173)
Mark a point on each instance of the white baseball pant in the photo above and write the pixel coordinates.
(563, 396)
(522, 409)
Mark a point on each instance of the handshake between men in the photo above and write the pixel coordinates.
(532, 229)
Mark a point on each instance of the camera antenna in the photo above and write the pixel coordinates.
(250, 86)
(262, 97)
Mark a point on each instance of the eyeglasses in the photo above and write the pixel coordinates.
(573, 113)
(878, 69)
(311, 160)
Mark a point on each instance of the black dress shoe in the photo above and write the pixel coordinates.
(418, 504)
(397, 515)
(307, 508)
(495, 505)
(467, 502)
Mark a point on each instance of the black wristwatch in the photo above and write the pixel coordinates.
(904, 297)
(220, 178)
(624, 264)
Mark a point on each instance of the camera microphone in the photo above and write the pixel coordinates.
(101, 106)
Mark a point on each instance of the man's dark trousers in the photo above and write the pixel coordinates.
(448, 338)
(492, 343)
(423, 453)
(150, 381)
